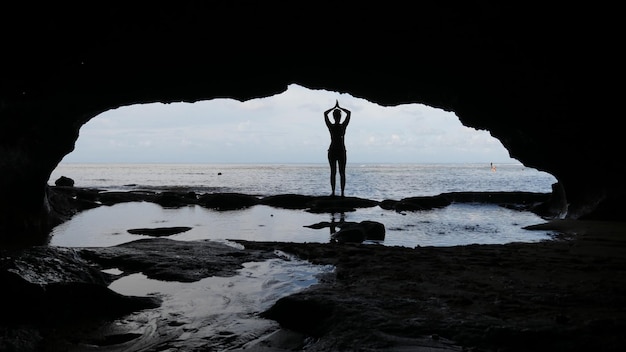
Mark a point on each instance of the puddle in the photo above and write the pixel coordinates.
(215, 313)
(456, 224)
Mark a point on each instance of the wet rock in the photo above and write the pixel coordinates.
(47, 284)
(159, 231)
(301, 313)
(359, 232)
(374, 230)
(318, 204)
(227, 201)
(114, 197)
(68, 201)
(320, 225)
(481, 297)
(175, 199)
(288, 201)
(519, 198)
(352, 234)
(330, 204)
(170, 260)
(64, 181)
(513, 200)
(416, 203)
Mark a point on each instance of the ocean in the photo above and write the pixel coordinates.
(457, 224)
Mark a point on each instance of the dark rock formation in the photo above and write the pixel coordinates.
(48, 284)
(359, 232)
(288, 201)
(535, 77)
(57, 299)
(175, 199)
(169, 260)
(66, 202)
(313, 314)
(115, 197)
(318, 204)
(64, 181)
(330, 204)
(548, 296)
(416, 203)
(543, 204)
(563, 295)
(159, 231)
(374, 230)
(227, 201)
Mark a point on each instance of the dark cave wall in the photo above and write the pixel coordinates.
(524, 73)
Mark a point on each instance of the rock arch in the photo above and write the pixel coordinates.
(523, 73)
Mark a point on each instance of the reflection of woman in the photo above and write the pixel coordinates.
(337, 149)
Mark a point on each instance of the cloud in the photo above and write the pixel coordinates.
(285, 128)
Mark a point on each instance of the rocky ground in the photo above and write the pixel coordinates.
(562, 295)
(568, 294)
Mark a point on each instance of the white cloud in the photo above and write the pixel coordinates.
(243, 126)
(288, 127)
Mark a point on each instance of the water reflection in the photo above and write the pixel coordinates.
(456, 224)
(215, 312)
(334, 224)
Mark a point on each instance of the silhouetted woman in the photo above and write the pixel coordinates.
(337, 149)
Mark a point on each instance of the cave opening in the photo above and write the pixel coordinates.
(278, 145)
(285, 128)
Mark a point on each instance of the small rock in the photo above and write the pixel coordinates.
(64, 182)
(159, 231)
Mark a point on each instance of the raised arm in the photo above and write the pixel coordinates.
(328, 123)
(346, 121)
(326, 118)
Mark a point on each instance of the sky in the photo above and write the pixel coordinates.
(285, 128)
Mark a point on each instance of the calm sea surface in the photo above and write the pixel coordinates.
(453, 225)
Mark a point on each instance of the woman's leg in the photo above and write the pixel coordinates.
(342, 171)
(333, 171)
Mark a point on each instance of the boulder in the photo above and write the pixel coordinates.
(359, 232)
(374, 230)
(64, 182)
